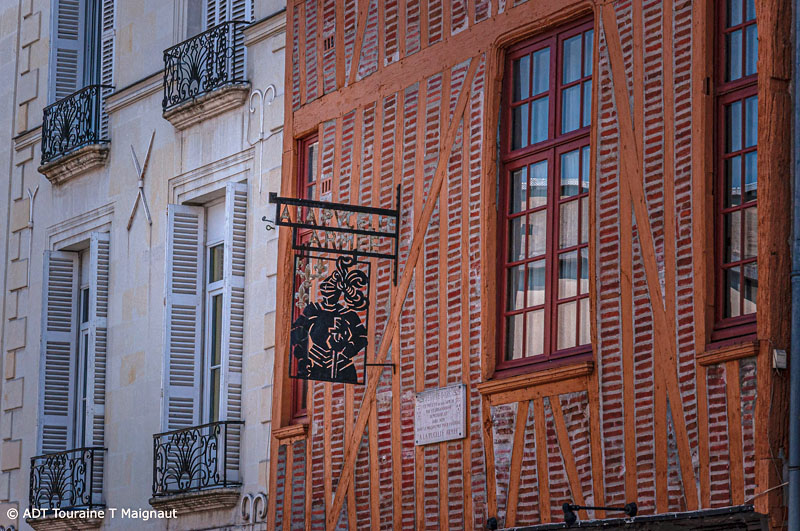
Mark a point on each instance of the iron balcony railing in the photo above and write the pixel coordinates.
(198, 458)
(204, 63)
(67, 480)
(73, 122)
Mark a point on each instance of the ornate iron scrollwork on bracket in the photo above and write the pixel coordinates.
(332, 244)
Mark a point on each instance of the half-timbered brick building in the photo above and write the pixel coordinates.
(593, 239)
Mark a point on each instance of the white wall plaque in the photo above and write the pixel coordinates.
(440, 414)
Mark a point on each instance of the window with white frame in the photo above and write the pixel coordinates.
(74, 346)
(205, 312)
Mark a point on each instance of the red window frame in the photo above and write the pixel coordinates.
(550, 149)
(727, 93)
(307, 181)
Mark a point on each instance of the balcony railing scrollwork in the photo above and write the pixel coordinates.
(196, 459)
(204, 63)
(67, 480)
(74, 122)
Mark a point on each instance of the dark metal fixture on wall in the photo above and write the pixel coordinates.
(196, 458)
(73, 122)
(67, 480)
(570, 517)
(203, 63)
(332, 243)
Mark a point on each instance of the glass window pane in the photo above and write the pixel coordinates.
(540, 110)
(572, 59)
(567, 325)
(538, 184)
(734, 13)
(587, 103)
(751, 10)
(584, 219)
(216, 259)
(568, 274)
(733, 181)
(584, 334)
(570, 173)
(751, 176)
(733, 48)
(541, 71)
(516, 239)
(584, 283)
(751, 232)
(751, 49)
(85, 305)
(519, 126)
(537, 239)
(536, 280)
(585, 169)
(750, 288)
(522, 75)
(214, 396)
(517, 185)
(568, 225)
(515, 295)
(570, 108)
(514, 330)
(751, 121)
(733, 127)
(731, 292)
(311, 170)
(588, 55)
(733, 236)
(535, 332)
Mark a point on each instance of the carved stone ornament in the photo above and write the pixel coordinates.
(203, 500)
(76, 163)
(208, 105)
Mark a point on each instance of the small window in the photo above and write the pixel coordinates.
(544, 203)
(307, 181)
(736, 172)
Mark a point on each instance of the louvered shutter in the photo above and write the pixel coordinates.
(57, 365)
(219, 11)
(184, 303)
(233, 317)
(99, 257)
(66, 61)
(106, 59)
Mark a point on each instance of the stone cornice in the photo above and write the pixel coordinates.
(208, 105)
(265, 28)
(203, 500)
(76, 163)
(134, 92)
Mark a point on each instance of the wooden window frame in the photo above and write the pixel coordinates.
(726, 330)
(549, 149)
(299, 388)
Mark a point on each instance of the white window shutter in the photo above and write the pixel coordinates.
(99, 259)
(106, 58)
(233, 315)
(184, 324)
(57, 364)
(67, 48)
(215, 12)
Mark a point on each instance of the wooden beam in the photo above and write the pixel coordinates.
(381, 35)
(466, 44)
(287, 483)
(402, 16)
(543, 473)
(735, 431)
(403, 285)
(339, 43)
(566, 453)
(363, 11)
(424, 31)
(666, 366)
(327, 457)
(516, 463)
(301, 51)
(320, 23)
(488, 444)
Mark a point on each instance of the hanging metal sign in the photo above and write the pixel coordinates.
(332, 243)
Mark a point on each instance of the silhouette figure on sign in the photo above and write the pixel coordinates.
(327, 336)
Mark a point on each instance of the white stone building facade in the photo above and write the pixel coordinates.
(138, 277)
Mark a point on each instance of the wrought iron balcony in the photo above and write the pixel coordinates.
(67, 480)
(196, 459)
(204, 63)
(74, 122)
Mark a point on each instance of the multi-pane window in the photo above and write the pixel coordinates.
(544, 198)
(215, 256)
(736, 180)
(307, 177)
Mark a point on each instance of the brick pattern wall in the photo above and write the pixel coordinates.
(395, 116)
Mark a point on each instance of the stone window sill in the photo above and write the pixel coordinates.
(52, 523)
(75, 163)
(202, 500)
(207, 106)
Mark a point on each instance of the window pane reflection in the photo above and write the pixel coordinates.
(514, 330)
(538, 184)
(568, 225)
(535, 333)
(568, 275)
(570, 108)
(567, 324)
(515, 298)
(572, 59)
(522, 73)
